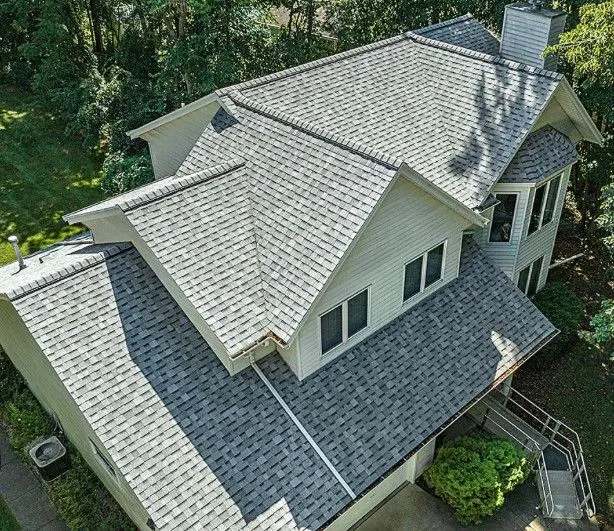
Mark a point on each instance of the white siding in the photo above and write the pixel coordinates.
(407, 223)
(555, 116)
(170, 143)
(26, 355)
(504, 254)
(541, 242)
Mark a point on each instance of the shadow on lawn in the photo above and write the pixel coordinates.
(43, 175)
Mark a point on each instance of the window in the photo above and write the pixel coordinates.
(423, 271)
(343, 321)
(528, 279)
(503, 218)
(544, 204)
(104, 460)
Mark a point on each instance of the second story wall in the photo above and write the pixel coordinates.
(408, 223)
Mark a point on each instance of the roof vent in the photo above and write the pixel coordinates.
(14, 241)
(528, 28)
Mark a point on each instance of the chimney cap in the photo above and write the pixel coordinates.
(536, 7)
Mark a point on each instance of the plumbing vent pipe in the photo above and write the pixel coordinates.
(14, 241)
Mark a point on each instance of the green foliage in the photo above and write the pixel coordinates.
(7, 520)
(562, 307)
(473, 474)
(121, 172)
(603, 325)
(606, 218)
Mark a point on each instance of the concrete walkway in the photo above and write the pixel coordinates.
(24, 494)
(412, 508)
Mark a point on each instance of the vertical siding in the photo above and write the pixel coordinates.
(504, 254)
(525, 36)
(541, 242)
(26, 355)
(170, 143)
(407, 223)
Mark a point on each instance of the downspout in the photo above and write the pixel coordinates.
(302, 429)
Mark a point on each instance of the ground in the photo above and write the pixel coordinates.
(43, 175)
(577, 386)
(7, 521)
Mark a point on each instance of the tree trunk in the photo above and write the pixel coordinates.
(95, 10)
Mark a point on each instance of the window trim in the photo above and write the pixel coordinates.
(530, 266)
(423, 286)
(514, 218)
(546, 184)
(344, 320)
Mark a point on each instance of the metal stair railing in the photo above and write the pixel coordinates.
(532, 447)
(560, 436)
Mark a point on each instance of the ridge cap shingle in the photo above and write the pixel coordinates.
(445, 23)
(336, 139)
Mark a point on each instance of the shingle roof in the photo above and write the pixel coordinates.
(199, 448)
(381, 399)
(463, 31)
(203, 449)
(543, 153)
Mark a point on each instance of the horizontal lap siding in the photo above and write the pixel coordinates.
(407, 223)
(541, 242)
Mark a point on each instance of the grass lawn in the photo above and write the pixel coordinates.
(7, 520)
(42, 175)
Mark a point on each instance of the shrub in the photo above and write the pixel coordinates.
(562, 307)
(603, 325)
(473, 474)
(121, 172)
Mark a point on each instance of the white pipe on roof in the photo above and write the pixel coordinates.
(302, 429)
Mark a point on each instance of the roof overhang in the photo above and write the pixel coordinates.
(176, 114)
(569, 100)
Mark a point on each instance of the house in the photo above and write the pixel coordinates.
(331, 267)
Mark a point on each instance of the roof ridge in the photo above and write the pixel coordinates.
(332, 138)
(311, 65)
(444, 23)
(481, 56)
(52, 277)
(180, 183)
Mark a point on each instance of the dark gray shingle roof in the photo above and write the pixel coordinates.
(542, 154)
(203, 449)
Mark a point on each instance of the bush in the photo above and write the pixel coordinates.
(473, 474)
(562, 307)
(121, 172)
(603, 325)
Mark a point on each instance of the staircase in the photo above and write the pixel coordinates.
(561, 475)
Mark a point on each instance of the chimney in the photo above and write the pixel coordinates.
(15, 243)
(528, 28)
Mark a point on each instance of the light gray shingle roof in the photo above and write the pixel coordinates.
(542, 154)
(201, 448)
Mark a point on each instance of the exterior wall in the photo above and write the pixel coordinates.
(541, 242)
(555, 116)
(504, 255)
(407, 223)
(170, 143)
(30, 361)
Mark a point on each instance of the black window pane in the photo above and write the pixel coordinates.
(551, 200)
(413, 274)
(537, 209)
(434, 261)
(330, 329)
(357, 313)
(535, 272)
(523, 279)
(503, 216)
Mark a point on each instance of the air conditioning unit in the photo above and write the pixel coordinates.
(50, 458)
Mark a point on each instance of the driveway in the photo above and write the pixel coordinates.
(412, 508)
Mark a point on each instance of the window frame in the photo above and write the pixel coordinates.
(514, 219)
(344, 320)
(530, 268)
(423, 286)
(547, 183)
